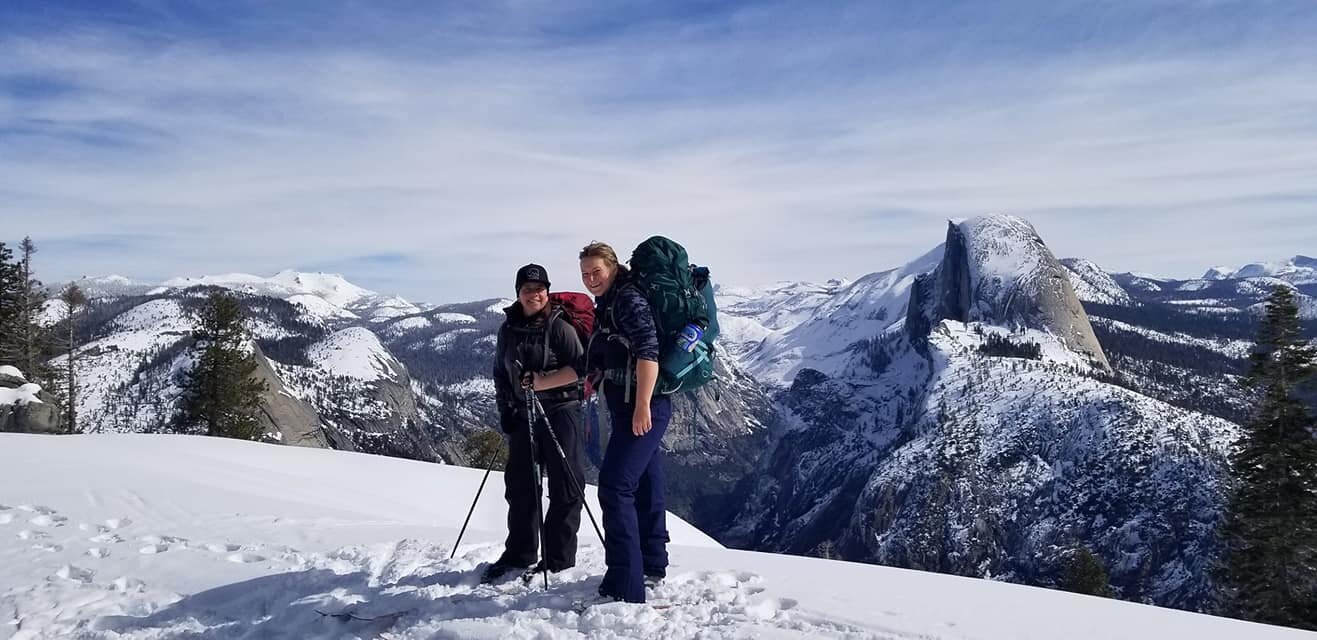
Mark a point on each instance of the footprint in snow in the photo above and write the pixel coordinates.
(106, 538)
(160, 544)
(49, 521)
(75, 574)
(36, 508)
(97, 552)
(28, 534)
(52, 548)
(128, 585)
(98, 528)
(117, 523)
(245, 558)
(222, 548)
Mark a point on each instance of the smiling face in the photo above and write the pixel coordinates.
(533, 296)
(597, 275)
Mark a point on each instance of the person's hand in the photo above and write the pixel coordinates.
(689, 337)
(641, 422)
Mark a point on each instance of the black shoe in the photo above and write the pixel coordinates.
(653, 580)
(498, 570)
(541, 565)
(540, 568)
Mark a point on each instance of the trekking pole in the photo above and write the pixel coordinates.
(580, 488)
(535, 469)
(489, 466)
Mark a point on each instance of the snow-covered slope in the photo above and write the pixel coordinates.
(776, 331)
(986, 436)
(1092, 284)
(110, 286)
(153, 537)
(984, 465)
(355, 353)
(133, 340)
(1296, 270)
(324, 295)
(331, 288)
(51, 313)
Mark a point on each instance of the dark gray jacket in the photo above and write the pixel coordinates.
(543, 342)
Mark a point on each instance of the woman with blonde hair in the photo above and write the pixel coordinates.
(624, 349)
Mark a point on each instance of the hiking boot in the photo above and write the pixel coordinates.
(539, 568)
(653, 580)
(498, 570)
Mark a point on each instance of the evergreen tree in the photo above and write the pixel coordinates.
(1269, 572)
(10, 312)
(484, 443)
(826, 550)
(1085, 574)
(30, 298)
(74, 300)
(220, 394)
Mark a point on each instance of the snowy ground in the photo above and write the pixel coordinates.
(139, 536)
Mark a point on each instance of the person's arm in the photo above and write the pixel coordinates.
(646, 378)
(637, 323)
(554, 379)
(503, 388)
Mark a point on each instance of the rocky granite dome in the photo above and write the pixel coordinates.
(997, 269)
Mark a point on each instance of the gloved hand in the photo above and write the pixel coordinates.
(508, 420)
(689, 337)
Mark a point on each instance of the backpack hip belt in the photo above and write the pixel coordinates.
(625, 377)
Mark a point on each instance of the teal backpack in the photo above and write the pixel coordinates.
(679, 294)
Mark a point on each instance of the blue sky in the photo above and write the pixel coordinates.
(428, 149)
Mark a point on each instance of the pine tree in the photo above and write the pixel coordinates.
(1269, 573)
(1085, 574)
(826, 550)
(74, 300)
(220, 394)
(31, 342)
(10, 312)
(484, 443)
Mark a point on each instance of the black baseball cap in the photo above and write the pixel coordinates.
(532, 273)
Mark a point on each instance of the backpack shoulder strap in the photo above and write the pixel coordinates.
(554, 316)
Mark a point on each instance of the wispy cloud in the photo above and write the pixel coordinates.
(779, 141)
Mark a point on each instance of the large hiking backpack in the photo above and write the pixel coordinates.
(577, 309)
(679, 294)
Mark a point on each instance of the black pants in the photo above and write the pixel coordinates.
(563, 517)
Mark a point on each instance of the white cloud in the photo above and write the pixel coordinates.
(772, 161)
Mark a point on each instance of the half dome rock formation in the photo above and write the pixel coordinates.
(996, 269)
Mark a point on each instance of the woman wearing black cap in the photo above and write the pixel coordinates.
(537, 346)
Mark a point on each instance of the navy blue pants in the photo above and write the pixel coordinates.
(631, 497)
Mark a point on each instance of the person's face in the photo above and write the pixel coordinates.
(533, 297)
(597, 275)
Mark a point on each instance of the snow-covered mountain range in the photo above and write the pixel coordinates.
(986, 435)
(1296, 270)
(352, 369)
(984, 410)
